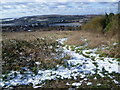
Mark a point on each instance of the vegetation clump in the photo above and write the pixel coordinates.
(108, 26)
(21, 53)
(104, 24)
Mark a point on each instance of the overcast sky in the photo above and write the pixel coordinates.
(48, 7)
(59, 0)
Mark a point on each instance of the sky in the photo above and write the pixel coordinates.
(48, 7)
(59, 0)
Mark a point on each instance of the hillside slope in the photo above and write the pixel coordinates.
(108, 25)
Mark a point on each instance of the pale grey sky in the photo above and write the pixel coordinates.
(59, 0)
(32, 7)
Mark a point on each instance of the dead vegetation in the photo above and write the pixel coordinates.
(94, 39)
(74, 37)
(21, 53)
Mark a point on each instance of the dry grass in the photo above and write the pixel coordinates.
(94, 39)
(96, 24)
(33, 35)
(20, 53)
(29, 47)
(42, 54)
(74, 37)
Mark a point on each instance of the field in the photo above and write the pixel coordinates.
(74, 37)
(59, 59)
(61, 44)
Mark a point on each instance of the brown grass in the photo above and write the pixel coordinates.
(74, 37)
(96, 24)
(33, 35)
(94, 39)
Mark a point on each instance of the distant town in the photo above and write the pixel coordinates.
(48, 22)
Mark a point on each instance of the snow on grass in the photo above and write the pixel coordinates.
(61, 41)
(116, 82)
(67, 83)
(115, 43)
(78, 65)
(76, 84)
(98, 84)
(89, 83)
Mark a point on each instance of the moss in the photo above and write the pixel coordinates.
(67, 47)
(93, 58)
(78, 51)
(88, 52)
(103, 55)
(118, 59)
(95, 63)
(72, 48)
(87, 56)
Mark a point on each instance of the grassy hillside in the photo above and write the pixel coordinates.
(96, 24)
(107, 24)
(83, 61)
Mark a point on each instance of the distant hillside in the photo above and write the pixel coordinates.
(34, 23)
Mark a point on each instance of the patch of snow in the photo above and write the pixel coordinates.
(61, 41)
(83, 39)
(116, 82)
(38, 63)
(115, 44)
(2, 84)
(67, 83)
(76, 84)
(110, 67)
(37, 86)
(98, 84)
(85, 79)
(110, 76)
(95, 78)
(82, 76)
(89, 83)
(29, 30)
(77, 65)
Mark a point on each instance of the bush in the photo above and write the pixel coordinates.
(96, 24)
(107, 24)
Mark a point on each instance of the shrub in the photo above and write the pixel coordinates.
(107, 24)
(96, 24)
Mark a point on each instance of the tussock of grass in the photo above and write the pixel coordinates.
(115, 51)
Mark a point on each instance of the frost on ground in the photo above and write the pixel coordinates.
(83, 63)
